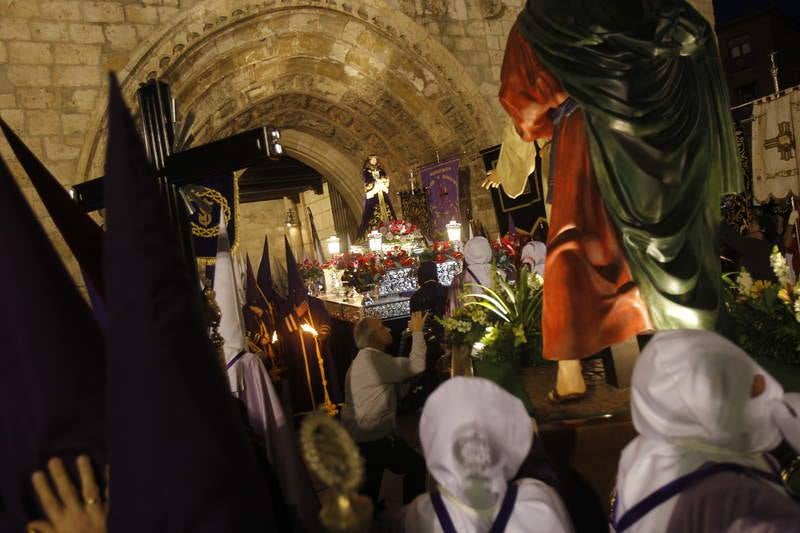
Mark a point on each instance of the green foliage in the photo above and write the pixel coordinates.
(500, 321)
(765, 315)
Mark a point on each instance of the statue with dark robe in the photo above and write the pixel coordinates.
(633, 97)
(377, 205)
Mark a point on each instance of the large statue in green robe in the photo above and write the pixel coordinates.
(647, 76)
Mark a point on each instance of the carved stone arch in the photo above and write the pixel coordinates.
(360, 69)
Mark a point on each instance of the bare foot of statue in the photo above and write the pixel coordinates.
(569, 382)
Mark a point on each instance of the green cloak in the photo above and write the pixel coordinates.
(647, 75)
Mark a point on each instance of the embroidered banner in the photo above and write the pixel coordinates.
(440, 180)
(776, 167)
(526, 210)
(415, 210)
(210, 197)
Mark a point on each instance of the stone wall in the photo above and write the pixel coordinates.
(404, 78)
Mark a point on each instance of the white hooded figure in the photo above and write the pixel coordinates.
(250, 382)
(533, 255)
(698, 400)
(475, 436)
(478, 261)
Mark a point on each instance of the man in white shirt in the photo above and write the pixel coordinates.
(369, 412)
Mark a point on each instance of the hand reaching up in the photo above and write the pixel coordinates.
(417, 321)
(68, 511)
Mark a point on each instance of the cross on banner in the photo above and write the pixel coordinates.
(784, 141)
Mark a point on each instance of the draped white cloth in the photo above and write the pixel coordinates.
(691, 404)
(776, 164)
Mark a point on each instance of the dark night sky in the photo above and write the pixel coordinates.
(725, 10)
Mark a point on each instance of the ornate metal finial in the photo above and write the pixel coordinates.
(773, 70)
(333, 457)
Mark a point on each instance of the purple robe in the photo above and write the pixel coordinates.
(250, 382)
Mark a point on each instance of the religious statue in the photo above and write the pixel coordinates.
(632, 95)
(377, 206)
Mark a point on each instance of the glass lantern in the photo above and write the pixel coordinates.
(375, 241)
(453, 231)
(333, 245)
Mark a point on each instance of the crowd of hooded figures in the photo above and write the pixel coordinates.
(140, 411)
(129, 401)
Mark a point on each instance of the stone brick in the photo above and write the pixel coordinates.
(7, 101)
(75, 140)
(454, 29)
(141, 14)
(143, 30)
(82, 100)
(86, 33)
(74, 123)
(102, 12)
(27, 53)
(14, 29)
(74, 76)
(15, 118)
(463, 44)
(77, 54)
(39, 98)
(121, 36)
(43, 122)
(56, 150)
(5, 83)
(166, 14)
(49, 31)
(3, 53)
(66, 11)
(29, 76)
(22, 9)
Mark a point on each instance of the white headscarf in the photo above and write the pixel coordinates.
(478, 256)
(475, 436)
(533, 255)
(691, 404)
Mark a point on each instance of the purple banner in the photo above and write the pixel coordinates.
(441, 182)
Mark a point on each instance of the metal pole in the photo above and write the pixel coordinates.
(796, 234)
(773, 70)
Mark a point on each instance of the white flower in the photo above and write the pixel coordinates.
(797, 310)
(779, 267)
(745, 282)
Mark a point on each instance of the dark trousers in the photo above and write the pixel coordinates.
(392, 453)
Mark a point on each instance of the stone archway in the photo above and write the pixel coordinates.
(342, 78)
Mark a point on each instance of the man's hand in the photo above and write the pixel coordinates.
(793, 217)
(417, 321)
(66, 510)
(492, 181)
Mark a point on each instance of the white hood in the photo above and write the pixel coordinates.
(475, 436)
(691, 404)
(231, 326)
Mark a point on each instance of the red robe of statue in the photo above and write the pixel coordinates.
(590, 298)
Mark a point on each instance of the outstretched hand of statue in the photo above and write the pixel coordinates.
(492, 180)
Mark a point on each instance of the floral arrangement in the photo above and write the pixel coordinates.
(310, 270)
(397, 258)
(361, 271)
(766, 313)
(440, 252)
(393, 230)
(498, 322)
(506, 250)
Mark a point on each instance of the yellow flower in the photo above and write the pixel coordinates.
(783, 295)
(759, 287)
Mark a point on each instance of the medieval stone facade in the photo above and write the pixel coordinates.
(343, 78)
